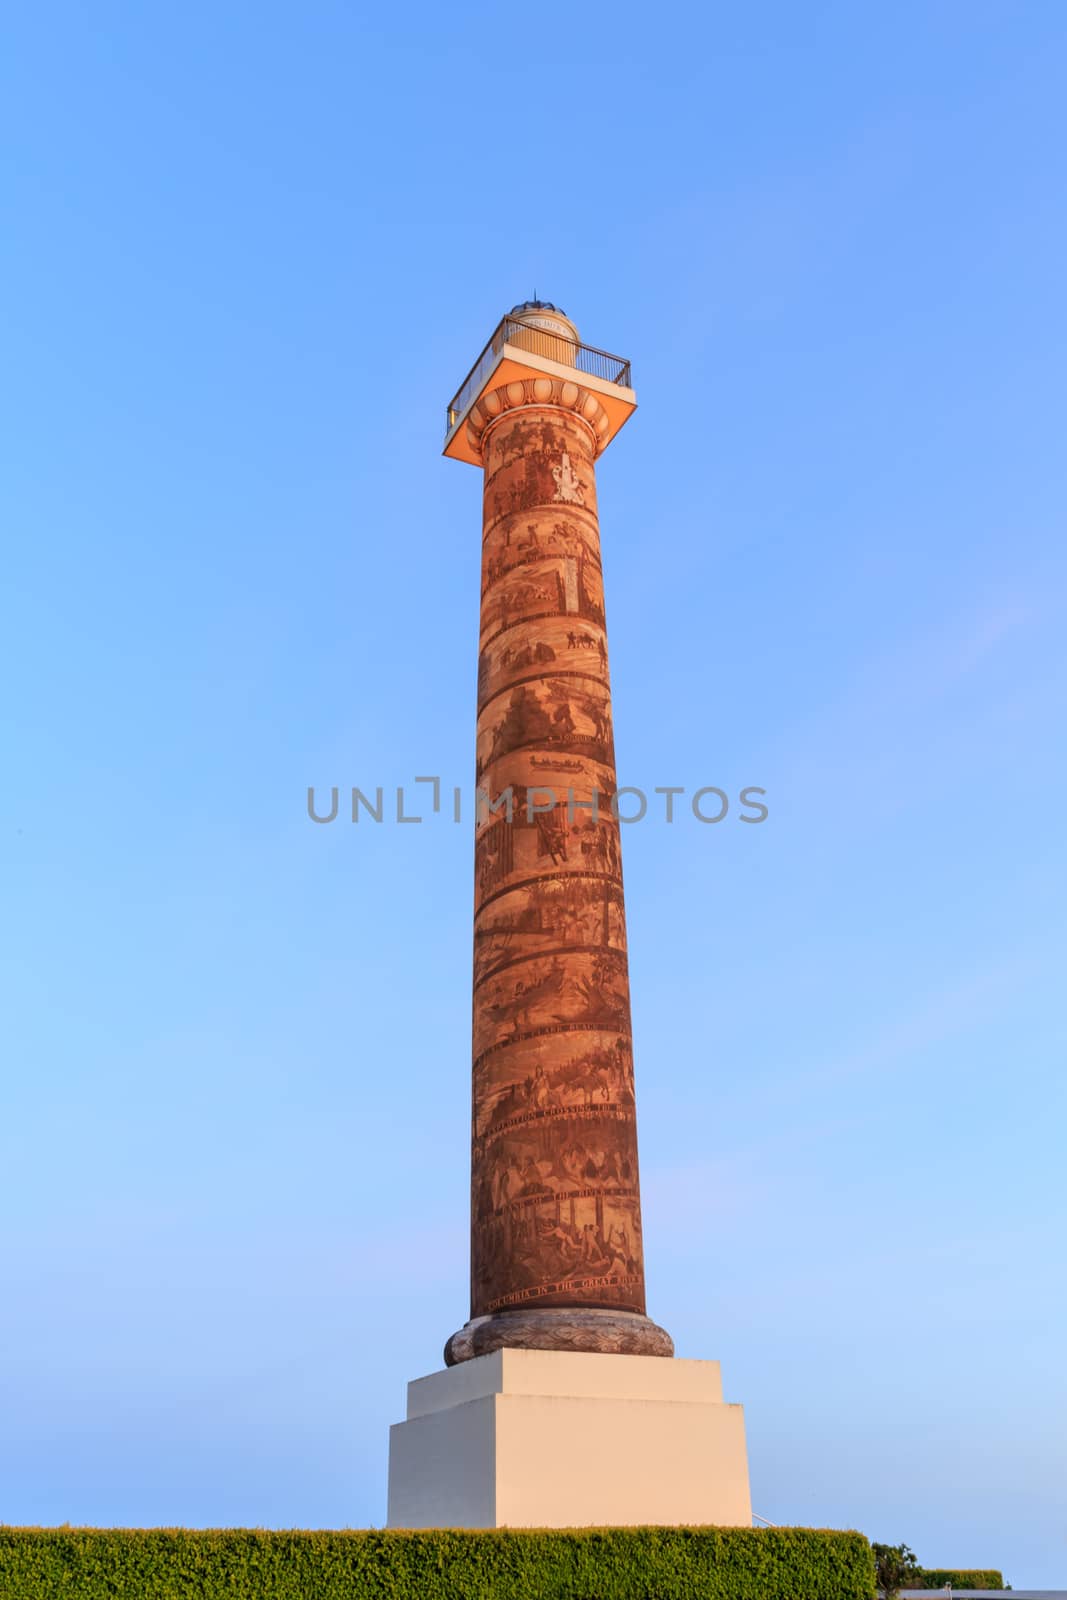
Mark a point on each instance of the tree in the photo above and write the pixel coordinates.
(894, 1566)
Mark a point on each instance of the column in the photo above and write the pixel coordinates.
(557, 1257)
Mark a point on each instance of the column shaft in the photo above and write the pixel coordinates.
(556, 1237)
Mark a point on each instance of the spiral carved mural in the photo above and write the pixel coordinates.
(556, 1215)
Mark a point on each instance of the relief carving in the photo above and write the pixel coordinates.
(555, 1203)
(568, 484)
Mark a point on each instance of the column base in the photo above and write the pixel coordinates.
(554, 1439)
(586, 1329)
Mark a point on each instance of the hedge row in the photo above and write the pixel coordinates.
(937, 1577)
(586, 1564)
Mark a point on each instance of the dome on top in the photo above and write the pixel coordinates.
(536, 305)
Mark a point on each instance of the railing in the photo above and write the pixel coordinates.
(540, 342)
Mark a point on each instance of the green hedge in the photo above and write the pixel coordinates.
(587, 1564)
(937, 1577)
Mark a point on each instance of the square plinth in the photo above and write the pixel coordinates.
(554, 1439)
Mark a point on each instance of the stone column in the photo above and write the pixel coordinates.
(556, 1239)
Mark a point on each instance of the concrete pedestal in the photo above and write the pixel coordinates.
(555, 1439)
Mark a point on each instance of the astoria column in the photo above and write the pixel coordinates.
(557, 1257)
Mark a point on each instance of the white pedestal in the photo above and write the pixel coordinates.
(555, 1439)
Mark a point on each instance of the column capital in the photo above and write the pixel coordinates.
(562, 394)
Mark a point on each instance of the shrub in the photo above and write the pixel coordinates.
(585, 1564)
(937, 1577)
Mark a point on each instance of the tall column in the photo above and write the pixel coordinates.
(557, 1258)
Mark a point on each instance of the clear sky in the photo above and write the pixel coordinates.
(250, 251)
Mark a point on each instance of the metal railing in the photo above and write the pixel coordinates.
(541, 342)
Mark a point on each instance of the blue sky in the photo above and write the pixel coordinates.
(251, 252)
